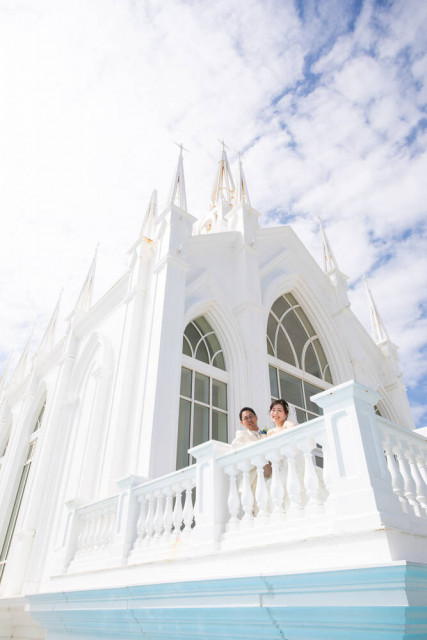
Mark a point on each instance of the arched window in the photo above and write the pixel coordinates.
(203, 394)
(20, 491)
(298, 364)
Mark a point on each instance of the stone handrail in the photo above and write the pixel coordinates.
(290, 487)
(406, 455)
(373, 477)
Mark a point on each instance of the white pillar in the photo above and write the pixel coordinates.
(358, 477)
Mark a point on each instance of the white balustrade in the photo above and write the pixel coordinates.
(374, 472)
(95, 527)
(406, 453)
(166, 509)
(290, 486)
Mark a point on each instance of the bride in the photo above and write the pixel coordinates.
(279, 411)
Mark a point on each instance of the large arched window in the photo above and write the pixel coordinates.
(21, 488)
(203, 394)
(298, 365)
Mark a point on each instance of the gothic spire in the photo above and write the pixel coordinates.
(19, 374)
(224, 186)
(378, 329)
(4, 378)
(49, 335)
(177, 193)
(148, 226)
(242, 194)
(85, 297)
(329, 261)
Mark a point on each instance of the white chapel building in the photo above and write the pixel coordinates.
(124, 511)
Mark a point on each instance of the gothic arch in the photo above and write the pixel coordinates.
(319, 317)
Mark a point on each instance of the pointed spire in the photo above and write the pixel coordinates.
(21, 368)
(242, 194)
(4, 378)
(378, 329)
(177, 194)
(148, 226)
(224, 186)
(85, 297)
(46, 343)
(329, 260)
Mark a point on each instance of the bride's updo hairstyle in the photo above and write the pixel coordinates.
(282, 403)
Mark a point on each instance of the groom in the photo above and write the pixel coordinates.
(251, 432)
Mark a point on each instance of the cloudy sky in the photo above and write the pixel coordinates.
(326, 99)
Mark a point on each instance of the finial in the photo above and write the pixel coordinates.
(177, 194)
(242, 194)
(148, 226)
(47, 340)
(379, 332)
(329, 260)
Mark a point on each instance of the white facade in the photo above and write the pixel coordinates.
(97, 507)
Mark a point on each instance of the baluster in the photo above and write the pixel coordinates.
(140, 525)
(233, 500)
(91, 530)
(422, 466)
(177, 513)
(168, 513)
(293, 485)
(311, 479)
(247, 495)
(396, 476)
(98, 539)
(409, 484)
(420, 487)
(149, 520)
(188, 512)
(277, 490)
(261, 491)
(158, 516)
(110, 527)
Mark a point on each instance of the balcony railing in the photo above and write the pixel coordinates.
(374, 477)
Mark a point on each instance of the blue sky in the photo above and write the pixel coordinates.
(328, 101)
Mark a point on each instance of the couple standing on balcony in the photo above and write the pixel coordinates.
(279, 411)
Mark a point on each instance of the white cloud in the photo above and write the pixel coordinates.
(96, 92)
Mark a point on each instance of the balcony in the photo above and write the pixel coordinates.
(367, 505)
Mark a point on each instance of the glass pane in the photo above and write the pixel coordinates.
(320, 353)
(274, 389)
(218, 361)
(219, 426)
(270, 350)
(213, 344)
(284, 351)
(271, 328)
(202, 353)
(203, 325)
(280, 307)
(15, 512)
(192, 334)
(186, 376)
(291, 299)
(305, 321)
(40, 418)
(296, 333)
(183, 434)
(311, 390)
(291, 389)
(301, 416)
(311, 364)
(201, 388)
(186, 349)
(219, 394)
(327, 375)
(200, 425)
